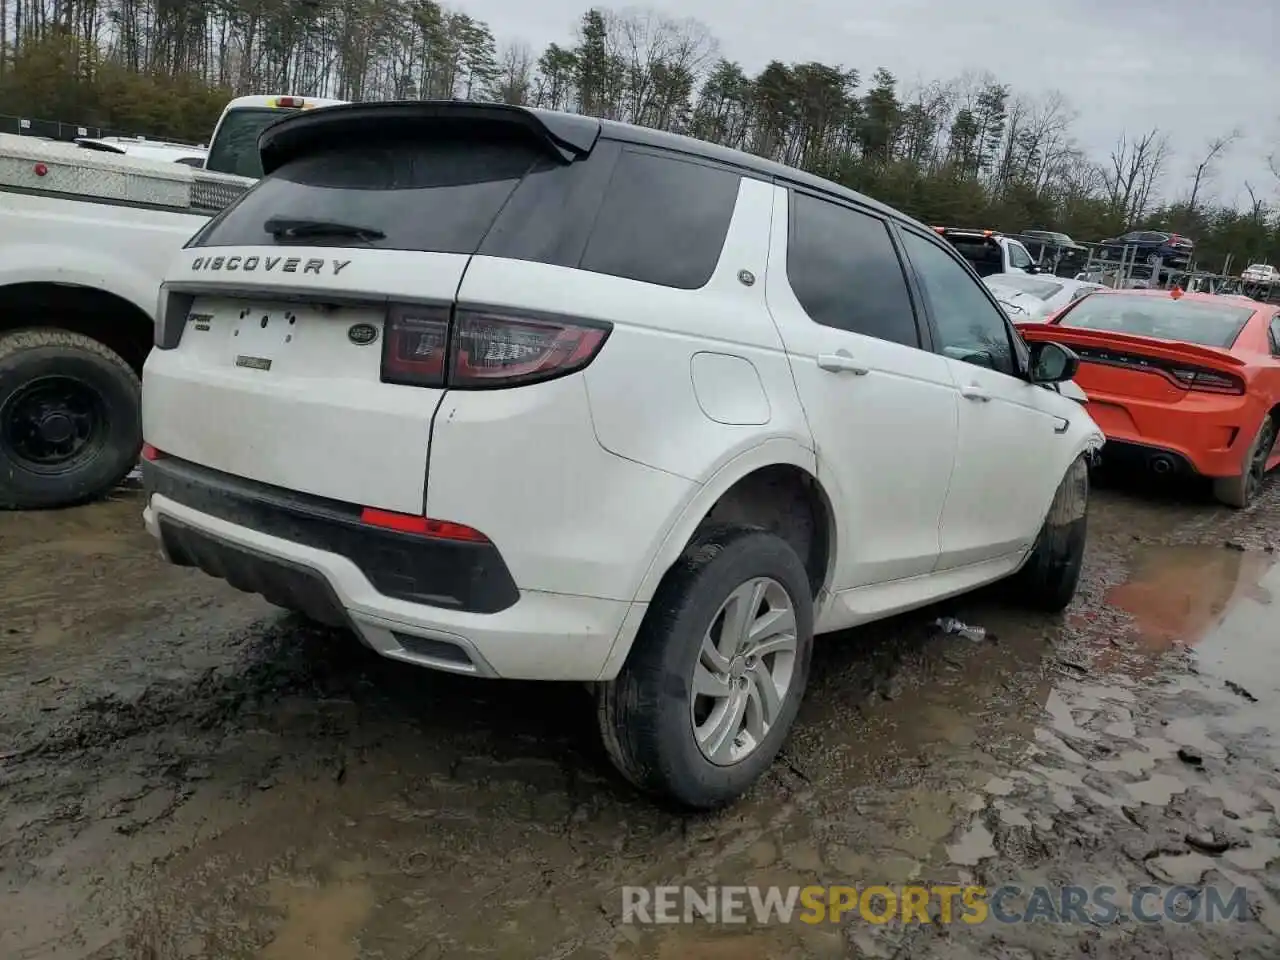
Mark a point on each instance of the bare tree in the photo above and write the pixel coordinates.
(1214, 150)
(1133, 171)
(1257, 208)
(514, 83)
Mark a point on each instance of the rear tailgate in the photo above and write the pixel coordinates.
(273, 385)
(274, 352)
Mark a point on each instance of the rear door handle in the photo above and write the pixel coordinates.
(841, 362)
(975, 392)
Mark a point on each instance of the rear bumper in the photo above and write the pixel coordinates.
(1205, 435)
(303, 560)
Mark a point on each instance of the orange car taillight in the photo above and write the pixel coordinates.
(1208, 381)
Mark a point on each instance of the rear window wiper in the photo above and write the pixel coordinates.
(289, 229)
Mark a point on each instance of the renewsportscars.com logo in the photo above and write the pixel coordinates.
(922, 904)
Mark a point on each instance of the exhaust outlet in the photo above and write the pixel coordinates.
(1161, 465)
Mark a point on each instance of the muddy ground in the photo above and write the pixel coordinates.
(185, 772)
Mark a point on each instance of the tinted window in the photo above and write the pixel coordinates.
(1018, 257)
(235, 147)
(1274, 331)
(970, 327)
(845, 272)
(663, 221)
(1206, 324)
(983, 253)
(438, 194)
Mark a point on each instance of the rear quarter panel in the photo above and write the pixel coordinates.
(688, 383)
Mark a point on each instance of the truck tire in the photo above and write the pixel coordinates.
(696, 715)
(70, 425)
(1239, 491)
(1048, 580)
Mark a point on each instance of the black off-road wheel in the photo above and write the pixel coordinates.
(1239, 491)
(716, 675)
(70, 426)
(1048, 579)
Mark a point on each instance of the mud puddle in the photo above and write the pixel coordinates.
(218, 781)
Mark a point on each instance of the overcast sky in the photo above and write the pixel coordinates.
(1195, 68)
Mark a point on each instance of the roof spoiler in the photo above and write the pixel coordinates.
(569, 136)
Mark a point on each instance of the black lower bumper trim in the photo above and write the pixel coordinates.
(456, 575)
(285, 584)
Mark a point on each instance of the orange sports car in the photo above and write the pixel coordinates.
(1182, 382)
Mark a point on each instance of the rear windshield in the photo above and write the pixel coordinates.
(235, 146)
(1040, 289)
(1206, 324)
(439, 195)
(985, 252)
(644, 215)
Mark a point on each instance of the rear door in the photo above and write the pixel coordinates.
(882, 410)
(276, 363)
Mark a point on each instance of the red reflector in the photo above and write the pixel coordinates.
(40, 169)
(150, 453)
(411, 523)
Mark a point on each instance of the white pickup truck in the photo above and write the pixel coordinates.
(989, 252)
(85, 237)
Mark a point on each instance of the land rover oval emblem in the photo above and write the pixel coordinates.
(362, 334)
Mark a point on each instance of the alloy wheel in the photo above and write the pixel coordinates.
(744, 672)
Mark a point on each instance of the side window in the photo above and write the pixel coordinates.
(1274, 335)
(1018, 256)
(969, 326)
(663, 221)
(845, 272)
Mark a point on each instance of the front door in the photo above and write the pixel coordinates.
(882, 410)
(1015, 441)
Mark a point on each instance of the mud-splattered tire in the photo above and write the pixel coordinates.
(1048, 580)
(1239, 491)
(59, 381)
(647, 714)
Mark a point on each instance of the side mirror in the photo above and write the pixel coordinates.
(1052, 363)
(1034, 268)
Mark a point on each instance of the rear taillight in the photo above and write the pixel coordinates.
(500, 351)
(1207, 380)
(415, 348)
(150, 453)
(472, 349)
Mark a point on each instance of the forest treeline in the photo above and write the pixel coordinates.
(970, 151)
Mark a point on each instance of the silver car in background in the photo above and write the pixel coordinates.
(1030, 298)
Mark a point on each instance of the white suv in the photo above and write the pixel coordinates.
(524, 394)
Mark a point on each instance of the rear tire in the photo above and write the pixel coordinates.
(649, 715)
(1239, 491)
(1048, 580)
(70, 427)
